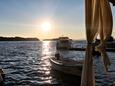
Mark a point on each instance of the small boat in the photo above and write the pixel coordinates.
(111, 45)
(66, 66)
(63, 43)
(2, 75)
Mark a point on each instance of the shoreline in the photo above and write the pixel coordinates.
(18, 39)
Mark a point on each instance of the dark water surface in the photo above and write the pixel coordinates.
(26, 64)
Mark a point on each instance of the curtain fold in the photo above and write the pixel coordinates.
(98, 21)
(106, 24)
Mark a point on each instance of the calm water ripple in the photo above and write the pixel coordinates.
(26, 63)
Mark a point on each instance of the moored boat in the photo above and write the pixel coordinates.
(63, 43)
(66, 66)
(111, 45)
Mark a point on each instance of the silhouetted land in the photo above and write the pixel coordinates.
(18, 39)
(54, 39)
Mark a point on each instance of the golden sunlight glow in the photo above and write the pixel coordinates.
(46, 26)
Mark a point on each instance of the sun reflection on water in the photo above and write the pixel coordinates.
(45, 47)
(45, 66)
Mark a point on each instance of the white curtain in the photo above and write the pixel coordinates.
(98, 21)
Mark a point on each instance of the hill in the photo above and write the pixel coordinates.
(18, 39)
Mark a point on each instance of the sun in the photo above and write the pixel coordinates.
(46, 26)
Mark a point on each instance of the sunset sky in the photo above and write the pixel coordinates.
(43, 18)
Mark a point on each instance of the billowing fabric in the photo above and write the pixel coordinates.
(98, 21)
(105, 31)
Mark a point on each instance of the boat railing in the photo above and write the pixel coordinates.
(66, 61)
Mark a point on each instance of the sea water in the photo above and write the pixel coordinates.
(26, 63)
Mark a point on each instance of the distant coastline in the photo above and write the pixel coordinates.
(55, 39)
(18, 39)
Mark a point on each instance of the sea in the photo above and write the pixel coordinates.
(26, 63)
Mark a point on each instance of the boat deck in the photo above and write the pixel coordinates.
(68, 62)
(66, 66)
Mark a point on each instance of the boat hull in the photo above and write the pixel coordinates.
(67, 69)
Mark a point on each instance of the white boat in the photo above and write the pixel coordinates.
(111, 45)
(63, 43)
(66, 66)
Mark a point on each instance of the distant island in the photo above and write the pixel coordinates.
(54, 39)
(18, 39)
